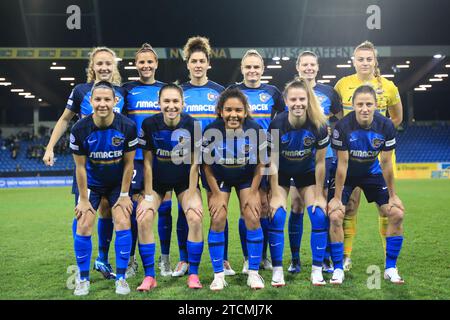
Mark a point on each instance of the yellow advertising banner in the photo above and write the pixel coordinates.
(416, 170)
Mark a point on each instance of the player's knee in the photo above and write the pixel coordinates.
(319, 220)
(146, 220)
(218, 221)
(396, 215)
(121, 222)
(84, 227)
(336, 219)
(193, 219)
(251, 221)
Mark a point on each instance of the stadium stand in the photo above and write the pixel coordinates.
(23, 154)
(424, 144)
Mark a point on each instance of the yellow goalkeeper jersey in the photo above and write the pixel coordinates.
(387, 93)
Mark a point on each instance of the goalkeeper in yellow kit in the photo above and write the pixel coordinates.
(389, 104)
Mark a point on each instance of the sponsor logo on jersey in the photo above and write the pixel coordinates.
(200, 108)
(377, 142)
(117, 141)
(147, 104)
(364, 154)
(170, 154)
(212, 96)
(105, 154)
(308, 141)
(264, 97)
(260, 107)
(296, 153)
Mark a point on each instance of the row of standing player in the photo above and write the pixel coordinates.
(198, 62)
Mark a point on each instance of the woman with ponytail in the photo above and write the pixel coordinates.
(388, 104)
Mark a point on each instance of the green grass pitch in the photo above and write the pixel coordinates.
(36, 250)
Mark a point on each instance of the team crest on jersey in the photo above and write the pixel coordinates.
(212, 96)
(321, 98)
(308, 141)
(117, 141)
(335, 134)
(379, 91)
(377, 142)
(72, 138)
(264, 97)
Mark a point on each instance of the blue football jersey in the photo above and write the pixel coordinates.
(169, 147)
(364, 145)
(330, 103)
(265, 102)
(104, 148)
(235, 159)
(79, 100)
(141, 102)
(297, 146)
(200, 101)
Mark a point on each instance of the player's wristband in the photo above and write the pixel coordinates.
(148, 197)
(124, 194)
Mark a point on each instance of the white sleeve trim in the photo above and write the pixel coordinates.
(132, 143)
(322, 142)
(390, 143)
(337, 142)
(74, 147)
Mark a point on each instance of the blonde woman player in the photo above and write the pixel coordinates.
(102, 66)
(388, 101)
